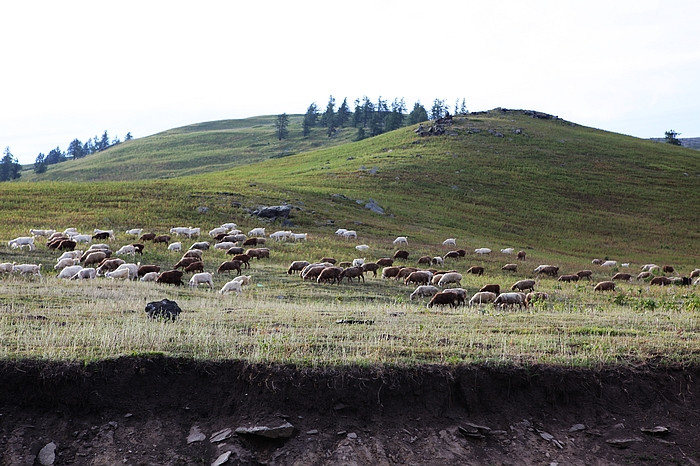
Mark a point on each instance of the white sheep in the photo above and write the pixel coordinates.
(6, 267)
(358, 262)
(362, 247)
(609, 264)
(281, 235)
(27, 269)
(120, 273)
(243, 279)
(648, 267)
(134, 232)
(507, 250)
(98, 247)
(110, 233)
(257, 232)
(229, 225)
(450, 277)
(70, 231)
(350, 234)
(201, 278)
(132, 268)
(46, 233)
(81, 238)
(129, 249)
(176, 246)
(70, 271)
(423, 291)
(193, 232)
(482, 297)
(401, 240)
(625, 264)
(218, 231)
(461, 292)
(22, 241)
(179, 231)
(232, 286)
(482, 251)
(75, 254)
(340, 231)
(224, 245)
(437, 260)
(149, 277)
(88, 273)
(299, 236)
(510, 299)
(63, 263)
(450, 242)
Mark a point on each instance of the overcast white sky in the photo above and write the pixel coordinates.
(74, 69)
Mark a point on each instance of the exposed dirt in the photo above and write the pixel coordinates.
(142, 410)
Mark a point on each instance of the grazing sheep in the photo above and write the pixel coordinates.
(662, 281)
(176, 246)
(584, 274)
(185, 261)
(493, 288)
(133, 270)
(340, 231)
(218, 231)
(6, 267)
(70, 271)
(362, 247)
(22, 241)
(452, 255)
(400, 254)
(197, 266)
(644, 275)
(358, 262)
(476, 270)
(201, 245)
(233, 285)
(149, 277)
(258, 253)
(87, 273)
(426, 260)
(507, 250)
(597, 262)
(521, 255)
(482, 251)
(569, 278)
(609, 264)
(510, 299)
(144, 269)
(235, 250)
(109, 265)
(444, 298)
(244, 258)
(551, 270)
(436, 278)
(668, 269)
(165, 239)
(81, 238)
(695, 273)
(419, 277)
(330, 275)
(390, 272)
(450, 277)
(75, 254)
(405, 272)
(535, 296)
(203, 278)
(63, 263)
(122, 274)
(94, 258)
(171, 277)
(299, 236)
(297, 266)
(460, 292)
(255, 241)
(102, 235)
(450, 242)
(352, 272)
(437, 260)
(232, 265)
(257, 232)
(401, 240)
(330, 260)
(523, 285)
(127, 249)
(312, 271)
(243, 280)
(482, 297)
(350, 234)
(385, 262)
(225, 245)
(66, 245)
(44, 233)
(134, 232)
(423, 291)
(510, 268)
(280, 235)
(370, 267)
(605, 286)
(622, 276)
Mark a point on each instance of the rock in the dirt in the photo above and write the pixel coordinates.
(623, 442)
(275, 211)
(577, 428)
(221, 459)
(47, 455)
(196, 435)
(284, 430)
(656, 430)
(220, 436)
(374, 207)
(164, 308)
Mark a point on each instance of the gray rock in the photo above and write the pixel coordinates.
(656, 430)
(220, 436)
(221, 459)
(284, 430)
(196, 435)
(352, 435)
(577, 427)
(202, 209)
(374, 207)
(47, 455)
(275, 211)
(623, 442)
(373, 171)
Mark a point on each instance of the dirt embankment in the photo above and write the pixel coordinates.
(165, 411)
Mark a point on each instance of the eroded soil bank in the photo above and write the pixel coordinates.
(157, 411)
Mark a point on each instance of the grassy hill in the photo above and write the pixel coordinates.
(496, 179)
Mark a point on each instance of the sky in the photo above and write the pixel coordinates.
(75, 69)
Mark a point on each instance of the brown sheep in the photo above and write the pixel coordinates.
(534, 296)
(426, 260)
(244, 258)
(568, 278)
(401, 254)
(330, 275)
(195, 267)
(296, 266)
(193, 253)
(312, 272)
(390, 272)
(644, 275)
(622, 276)
(66, 245)
(330, 260)
(476, 270)
(605, 286)
(162, 239)
(385, 262)
(94, 258)
(597, 261)
(523, 285)
(461, 252)
(185, 261)
(662, 281)
(144, 269)
(584, 274)
(171, 277)
(345, 264)
(510, 268)
(259, 253)
(419, 277)
(521, 255)
(147, 237)
(138, 247)
(352, 272)
(53, 243)
(665, 268)
(234, 250)
(445, 297)
(451, 255)
(695, 273)
(493, 288)
(253, 241)
(370, 267)
(101, 235)
(109, 265)
(551, 270)
(405, 272)
(230, 265)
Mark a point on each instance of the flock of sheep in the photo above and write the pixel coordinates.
(438, 285)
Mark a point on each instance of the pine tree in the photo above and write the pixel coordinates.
(310, 119)
(281, 126)
(10, 169)
(75, 149)
(40, 164)
(343, 114)
(328, 117)
(672, 137)
(418, 114)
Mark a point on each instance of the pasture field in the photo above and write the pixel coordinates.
(281, 319)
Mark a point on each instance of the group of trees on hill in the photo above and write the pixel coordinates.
(370, 118)
(9, 167)
(76, 150)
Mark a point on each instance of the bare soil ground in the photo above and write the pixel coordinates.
(141, 411)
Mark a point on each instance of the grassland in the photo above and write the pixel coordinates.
(562, 192)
